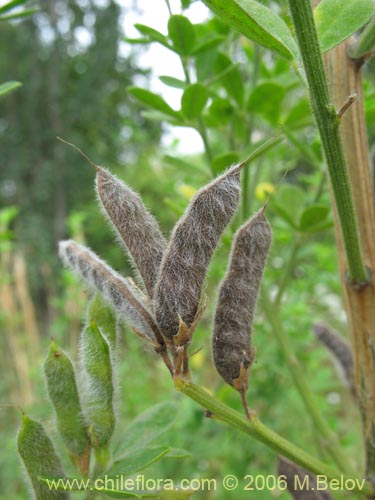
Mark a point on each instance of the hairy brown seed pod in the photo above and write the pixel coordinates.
(340, 350)
(192, 243)
(136, 227)
(121, 293)
(301, 484)
(238, 293)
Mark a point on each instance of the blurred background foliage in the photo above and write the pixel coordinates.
(86, 93)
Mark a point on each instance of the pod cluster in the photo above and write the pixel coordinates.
(85, 418)
(165, 303)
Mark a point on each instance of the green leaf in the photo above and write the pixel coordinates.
(19, 14)
(147, 427)
(219, 112)
(10, 5)
(336, 20)
(288, 202)
(266, 99)
(152, 100)
(7, 215)
(300, 115)
(221, 162)
(232, 80)
(137, 460)
(173, 82)
(208, 44)
(158, 116)
(152, 34)
(136, 41)
(194, 100)
(258, 23)
(313, 216)
(7, 87)
(182, 33)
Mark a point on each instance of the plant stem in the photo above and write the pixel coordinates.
(262, 433)
(298, 375)
(328, 125)
(365, 43)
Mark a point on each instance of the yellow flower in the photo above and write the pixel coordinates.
(186, 191)
(263, 190)
(197, 360)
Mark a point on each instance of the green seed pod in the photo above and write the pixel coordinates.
(193, 241)
(62, 390)
(301, 484)
(136, 227)
(102, 314)
(238, 293)
(98, 385)
(40, 459)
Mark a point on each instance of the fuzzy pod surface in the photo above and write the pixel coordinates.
(40, 459)
(121, 294)
(238, 293)
(98, 385)
(62, 390)
(340, 350)
(308, 490)
(103, 315)
(136, 227)
(193, 241)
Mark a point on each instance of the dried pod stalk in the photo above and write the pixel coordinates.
(193, 241)
(136, 227)
(40, 460)
(301, 484)
(238, 293)
(62, 390)
(340, 350)
(121, 294)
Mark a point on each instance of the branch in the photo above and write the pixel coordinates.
(262, 433)
(328, 125)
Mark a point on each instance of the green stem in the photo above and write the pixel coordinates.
(365, 43)
(300, 381)
(328, 124)
(262, 433)
(203, 133)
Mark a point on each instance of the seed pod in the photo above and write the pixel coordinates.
(136, 227)
(98, 385)
(238, 293)
(62, 390)
(119, 291)
(340, 350)
(301, 484)
(193, 241)
(40, 459)
(102, 314)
